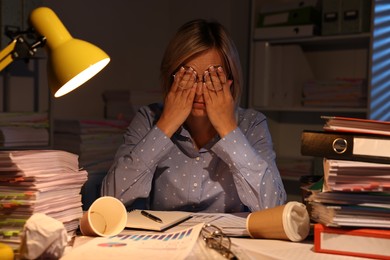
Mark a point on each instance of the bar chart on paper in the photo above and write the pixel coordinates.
(167, 240)
(140, 245)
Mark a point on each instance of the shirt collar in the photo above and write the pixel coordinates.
(182, 138)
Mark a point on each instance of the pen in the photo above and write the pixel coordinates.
(150, 216)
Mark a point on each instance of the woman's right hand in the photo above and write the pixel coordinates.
(178, 102)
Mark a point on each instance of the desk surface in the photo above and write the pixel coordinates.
(244, 248)
(251, 249)
(277, 249)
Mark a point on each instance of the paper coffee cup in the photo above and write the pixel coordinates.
(288, 222)
(107, 216)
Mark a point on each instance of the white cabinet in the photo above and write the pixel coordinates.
(278, 71)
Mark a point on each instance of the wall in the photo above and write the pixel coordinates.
(135, 34)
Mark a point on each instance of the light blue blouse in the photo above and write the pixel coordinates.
(231, 174)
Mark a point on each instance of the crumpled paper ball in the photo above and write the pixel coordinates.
(43, 237)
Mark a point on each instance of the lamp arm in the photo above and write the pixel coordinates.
(6, 55)
(19, 48)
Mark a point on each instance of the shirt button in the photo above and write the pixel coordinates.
(195, 184)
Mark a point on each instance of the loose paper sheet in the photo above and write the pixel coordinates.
(140, 245)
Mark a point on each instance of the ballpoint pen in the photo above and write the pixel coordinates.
(151, 216)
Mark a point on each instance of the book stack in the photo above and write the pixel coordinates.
(353, 208)
(38, 181)
(94, 141)
(24, 130)
(335, 93)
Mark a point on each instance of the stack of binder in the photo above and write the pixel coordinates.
(38, 181)
(345, 16)
(291, 20)
(356, 184)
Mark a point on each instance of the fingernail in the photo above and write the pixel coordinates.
(205, 74)
(220, 68)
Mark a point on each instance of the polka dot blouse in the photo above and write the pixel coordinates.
(232, 174)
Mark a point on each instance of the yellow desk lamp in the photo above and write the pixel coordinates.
(71, 62)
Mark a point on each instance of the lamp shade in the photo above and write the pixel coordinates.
(71, 62)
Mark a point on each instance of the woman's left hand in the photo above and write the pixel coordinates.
(219, 101)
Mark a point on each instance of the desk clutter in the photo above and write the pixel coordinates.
(178, 231)
(38, 181)
(353, 208)
(350, 213)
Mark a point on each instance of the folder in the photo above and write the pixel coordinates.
(285, 32)
(356, 125)
(355, 16)
(299, 16)
(346, 146)
(331, 24)
(360, 242)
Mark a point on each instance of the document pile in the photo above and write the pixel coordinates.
(38, 181)
(356, 187)
(95, 141)
(24, 129)
(335, 93)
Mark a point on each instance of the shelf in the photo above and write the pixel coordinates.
(279, 73)
(311, 109)
(360, 40)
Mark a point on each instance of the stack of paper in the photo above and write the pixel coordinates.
(356, 176)
(356, 185)
(38, 181)
(335, 93)
(24, 129)
(95, 141)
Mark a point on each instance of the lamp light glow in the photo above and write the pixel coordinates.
(71, 62)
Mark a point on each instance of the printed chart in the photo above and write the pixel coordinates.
(141, 245)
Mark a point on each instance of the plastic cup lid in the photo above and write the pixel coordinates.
(296, 221)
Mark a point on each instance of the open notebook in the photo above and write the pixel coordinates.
(169, 218)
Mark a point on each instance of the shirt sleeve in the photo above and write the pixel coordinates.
(251, 159)
(130, 176)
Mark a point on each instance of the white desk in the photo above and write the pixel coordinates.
(249, 249)
(277, 249)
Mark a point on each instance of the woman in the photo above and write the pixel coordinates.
(198, 151)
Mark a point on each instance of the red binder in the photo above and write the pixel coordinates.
(361, 242)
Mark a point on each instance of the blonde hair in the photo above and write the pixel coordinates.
(192, 39)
